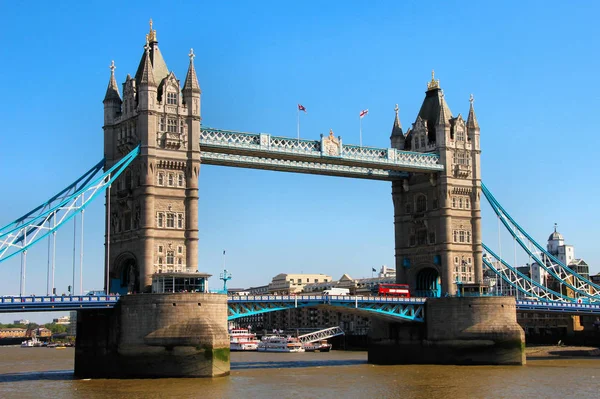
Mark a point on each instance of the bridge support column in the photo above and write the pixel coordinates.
(154, 336)
(462, 331)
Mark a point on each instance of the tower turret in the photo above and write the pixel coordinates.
(112, 98)
(397, 137)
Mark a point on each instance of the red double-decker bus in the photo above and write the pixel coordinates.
(399, 290)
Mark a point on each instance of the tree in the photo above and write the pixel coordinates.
(56, 328)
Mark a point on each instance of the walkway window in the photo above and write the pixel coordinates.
(170, 220)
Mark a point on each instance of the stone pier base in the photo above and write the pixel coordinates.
(461, 331)
(154, 335)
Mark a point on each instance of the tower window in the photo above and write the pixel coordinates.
(172, 125)
(416, 143)
(161, 179)
(170, 257)
(453, 202)
(467, 204)
(160, 260)
(160, 249)
(460, 135)
(455, 236)
(421, 203)
(460, 203)
(171, 98)
(181, 126)
(180, 180)
(171, 179)
(170, 220)
(468, 236)
(432, 238)
(422, 237)
(461, 236)
(408, 210)
(179, 249)
(160, 220)
(423, 141)
(180, 221)
(162, 125)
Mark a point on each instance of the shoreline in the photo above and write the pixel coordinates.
(561, 352)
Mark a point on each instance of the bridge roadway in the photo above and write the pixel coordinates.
(411, 309)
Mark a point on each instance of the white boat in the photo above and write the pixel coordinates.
(31, 343)
(241, 339)
(319, 346)
(276, 343)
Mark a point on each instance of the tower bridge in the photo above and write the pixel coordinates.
(154, 145)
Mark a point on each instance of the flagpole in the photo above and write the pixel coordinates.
(360, 139)
(298, 111)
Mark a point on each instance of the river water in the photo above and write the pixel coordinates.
(48, 373)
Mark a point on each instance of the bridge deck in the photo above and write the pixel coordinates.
(246, 305)
(263, 151)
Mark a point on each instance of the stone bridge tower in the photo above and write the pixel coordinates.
(437, 216)
(152, 220)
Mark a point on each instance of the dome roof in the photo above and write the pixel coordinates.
(555, 236)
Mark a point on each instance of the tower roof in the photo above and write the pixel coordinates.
(472, 119)
(158, 67)
(555, 236)
(112, 91)
(434, 109)
(397, 128)
(191, 81)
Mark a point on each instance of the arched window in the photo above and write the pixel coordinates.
(421, 205)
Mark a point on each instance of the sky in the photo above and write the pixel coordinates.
(531, 66)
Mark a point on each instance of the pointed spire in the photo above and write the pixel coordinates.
(191, 81)
(152, 34)
(147, 75)
(472, 120)
(112, 91)
(397, 128)
(442, 118)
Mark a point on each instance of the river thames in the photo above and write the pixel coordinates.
(48, 373)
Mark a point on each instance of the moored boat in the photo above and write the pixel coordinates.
(319, 346)
(241, 339)
(276, 343)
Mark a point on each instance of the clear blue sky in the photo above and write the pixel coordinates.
(531, 65)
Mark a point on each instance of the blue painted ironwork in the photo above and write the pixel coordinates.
(566, 276)
(326, 156)
(56, 303)
(520, 282)
(18, 236)
(411, 309)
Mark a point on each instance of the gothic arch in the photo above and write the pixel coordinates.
(125, 275)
